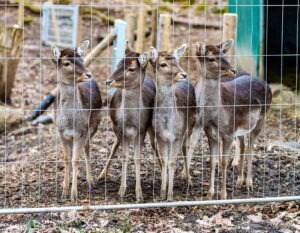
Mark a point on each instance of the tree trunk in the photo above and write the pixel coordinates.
(11, 40)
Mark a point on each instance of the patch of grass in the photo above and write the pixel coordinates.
(148, 2)
(125, 224)
(165, 8)
(201, 7)
(186, 4)
(28, 19)
(220, 11)
(33, 223)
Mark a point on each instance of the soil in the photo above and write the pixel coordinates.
(31, 165)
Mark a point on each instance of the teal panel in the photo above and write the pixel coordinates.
(249, 33)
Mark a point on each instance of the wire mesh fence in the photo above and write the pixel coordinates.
(32, 166)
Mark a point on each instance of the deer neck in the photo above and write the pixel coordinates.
(132, 98)
(210, 90)
(165, 94)
(69, 95)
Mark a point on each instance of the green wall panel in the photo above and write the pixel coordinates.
(249, 33)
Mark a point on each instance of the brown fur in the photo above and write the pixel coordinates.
(174, 114)
(76, 115)
(131, 113)
(238, 104)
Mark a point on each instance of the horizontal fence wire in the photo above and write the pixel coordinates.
(31, 158)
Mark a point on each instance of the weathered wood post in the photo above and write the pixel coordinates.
(154, 27)
(229, 32)
(139, 47)
(130, 19)
(164, 32)
(11, 42)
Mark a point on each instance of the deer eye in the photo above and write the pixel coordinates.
(163, 65)
(66, 64)
(131, 70)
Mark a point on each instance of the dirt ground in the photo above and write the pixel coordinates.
(31, 166)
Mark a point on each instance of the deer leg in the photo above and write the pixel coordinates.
(89, 177)
(225, 158)
(194, 138)
(77, 146)
(108, 162)
(154, 147)
(236, 157)
(249, 181)
(137, 160)
(66, 146)
(214, 153)
(163, 148)
(125, 159)
(175, 148)
(241, 179)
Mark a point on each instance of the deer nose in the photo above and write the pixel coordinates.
(184, 75)
(88, 75)
(108, 82)
(233, 70)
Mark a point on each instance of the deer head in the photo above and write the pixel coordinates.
(130, 71)
(213, 61)
(70, 63)
(166, 65)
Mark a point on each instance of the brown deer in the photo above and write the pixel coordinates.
(174, 112)
(131, 113)
(229, 109)
(76, 112)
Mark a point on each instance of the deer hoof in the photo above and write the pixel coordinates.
(223, 194)
(249, 184)
(74, 195)
(139, 195)
(210, 194)
(240, 181)
(122, 191)
(163, 194)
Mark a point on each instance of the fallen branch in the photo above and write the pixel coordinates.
(196, 24)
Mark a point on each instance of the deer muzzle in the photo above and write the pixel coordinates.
(112, 83)
(181, 76)
(85, 76)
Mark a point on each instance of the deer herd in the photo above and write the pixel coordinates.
(225, 103)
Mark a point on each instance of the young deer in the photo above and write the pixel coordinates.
(228, 109)
(131, 113)
(76, 112)
(174, 113)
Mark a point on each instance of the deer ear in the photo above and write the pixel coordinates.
(153, 54)
(55, 52)
(178, 53)
(225, 46)
(143, 59)
(128, 48)
(200, 49)
(81, 49)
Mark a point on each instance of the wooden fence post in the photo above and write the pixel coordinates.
(130, 19)
(229, 32)
(139, 47)
(154, 27)
(164, 32)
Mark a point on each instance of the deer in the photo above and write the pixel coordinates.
(76, 112)
(233, 108)
(174, 113)
(130, 111)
